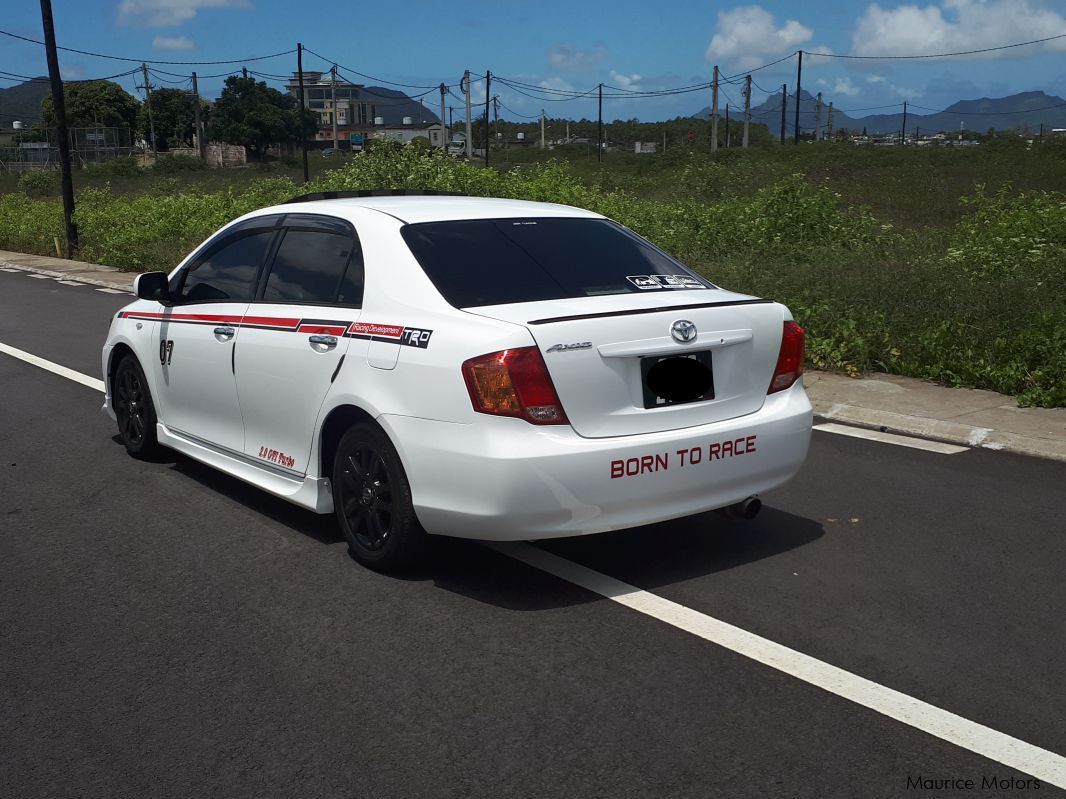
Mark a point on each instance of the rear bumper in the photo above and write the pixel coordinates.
(505, 479)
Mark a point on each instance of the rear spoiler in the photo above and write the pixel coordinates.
(635, 311)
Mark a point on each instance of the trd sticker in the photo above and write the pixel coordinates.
(645, 282)
(414, 337)
(280, 458)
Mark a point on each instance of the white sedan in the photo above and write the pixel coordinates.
(472, 367)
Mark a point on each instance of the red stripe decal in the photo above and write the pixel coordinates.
(321, 330)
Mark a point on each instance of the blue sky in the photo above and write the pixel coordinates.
(625, 44)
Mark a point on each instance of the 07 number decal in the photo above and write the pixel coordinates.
(166, 351)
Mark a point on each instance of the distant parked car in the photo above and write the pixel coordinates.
(472, 367)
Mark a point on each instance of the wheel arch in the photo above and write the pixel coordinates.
(118, 352)
(336, 423)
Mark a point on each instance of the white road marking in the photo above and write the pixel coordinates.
(111, 291)
(38, 277)
(969, 735)
(69, 282)
(891, 438)
(1017, 754)
(8, 269)
(55, 368)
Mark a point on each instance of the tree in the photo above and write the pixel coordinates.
(174, 117)
(257, 116)
(93, 103)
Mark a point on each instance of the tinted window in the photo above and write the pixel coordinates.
(496, 261)
(227, 271)
(309, 268)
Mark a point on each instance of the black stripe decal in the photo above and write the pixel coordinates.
(636, 311)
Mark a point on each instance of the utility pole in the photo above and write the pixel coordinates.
(443, 131)
(488, 81)
(496, 117)
(333, 101)
(830, 126)
(599, 135)
(201, 145)
(714, 111)
(818, 118)
(747, 110)
(60, 106)
(903, 131)
(469, 137)
(799, 94)
(244, 72)
(543, 143)
(303, 104)
(1041, 131)
(784, 108)
(148, 104)
(728, 132)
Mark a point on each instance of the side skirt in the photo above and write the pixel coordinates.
(313, 493)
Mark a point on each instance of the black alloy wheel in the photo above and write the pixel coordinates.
(372, 500)
(132, 402)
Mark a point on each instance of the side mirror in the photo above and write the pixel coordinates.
(153, 286)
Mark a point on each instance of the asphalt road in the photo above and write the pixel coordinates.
(168, 631)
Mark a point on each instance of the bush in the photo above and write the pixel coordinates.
(39, 182)
(176, 164)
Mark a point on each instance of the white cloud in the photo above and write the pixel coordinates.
(954, 26)
(173, 43)
(625, 81)
(876, 79)
(568, 58)
(845, 87)
(748, 36)
(557, 83)
(164, 13)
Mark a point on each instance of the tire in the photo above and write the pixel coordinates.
(372, 500)
(132, 403)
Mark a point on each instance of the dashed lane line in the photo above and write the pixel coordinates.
(1000, 747)
(111, 291)
(52, 367)
(70, 282)
(985, 741)
(891, 438)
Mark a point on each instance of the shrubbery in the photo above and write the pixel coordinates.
(982, 304)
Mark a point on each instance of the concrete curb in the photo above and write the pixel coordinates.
(66, 276)
(939, 430)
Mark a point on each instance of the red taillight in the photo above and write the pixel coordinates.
(513, 383)
(790, 360)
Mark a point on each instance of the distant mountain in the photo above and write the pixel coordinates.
(395, 105)
(1016, 111)
(22, 102)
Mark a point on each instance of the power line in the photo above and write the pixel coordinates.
(940, 55)
(370, 77)
(145, 60)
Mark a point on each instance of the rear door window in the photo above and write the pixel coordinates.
(498, 261)
(315, 267)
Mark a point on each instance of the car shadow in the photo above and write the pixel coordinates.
(649, 557)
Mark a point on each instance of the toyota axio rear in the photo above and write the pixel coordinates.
(483, 368)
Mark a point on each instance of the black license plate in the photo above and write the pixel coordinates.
(677, 379)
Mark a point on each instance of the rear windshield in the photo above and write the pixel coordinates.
(499, 261)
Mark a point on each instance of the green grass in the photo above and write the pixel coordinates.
(941, 264)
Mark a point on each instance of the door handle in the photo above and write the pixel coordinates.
(224, 333)
(322, 343)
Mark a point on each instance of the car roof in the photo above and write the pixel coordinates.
(416, 209)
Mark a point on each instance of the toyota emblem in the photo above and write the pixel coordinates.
(683, 331)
